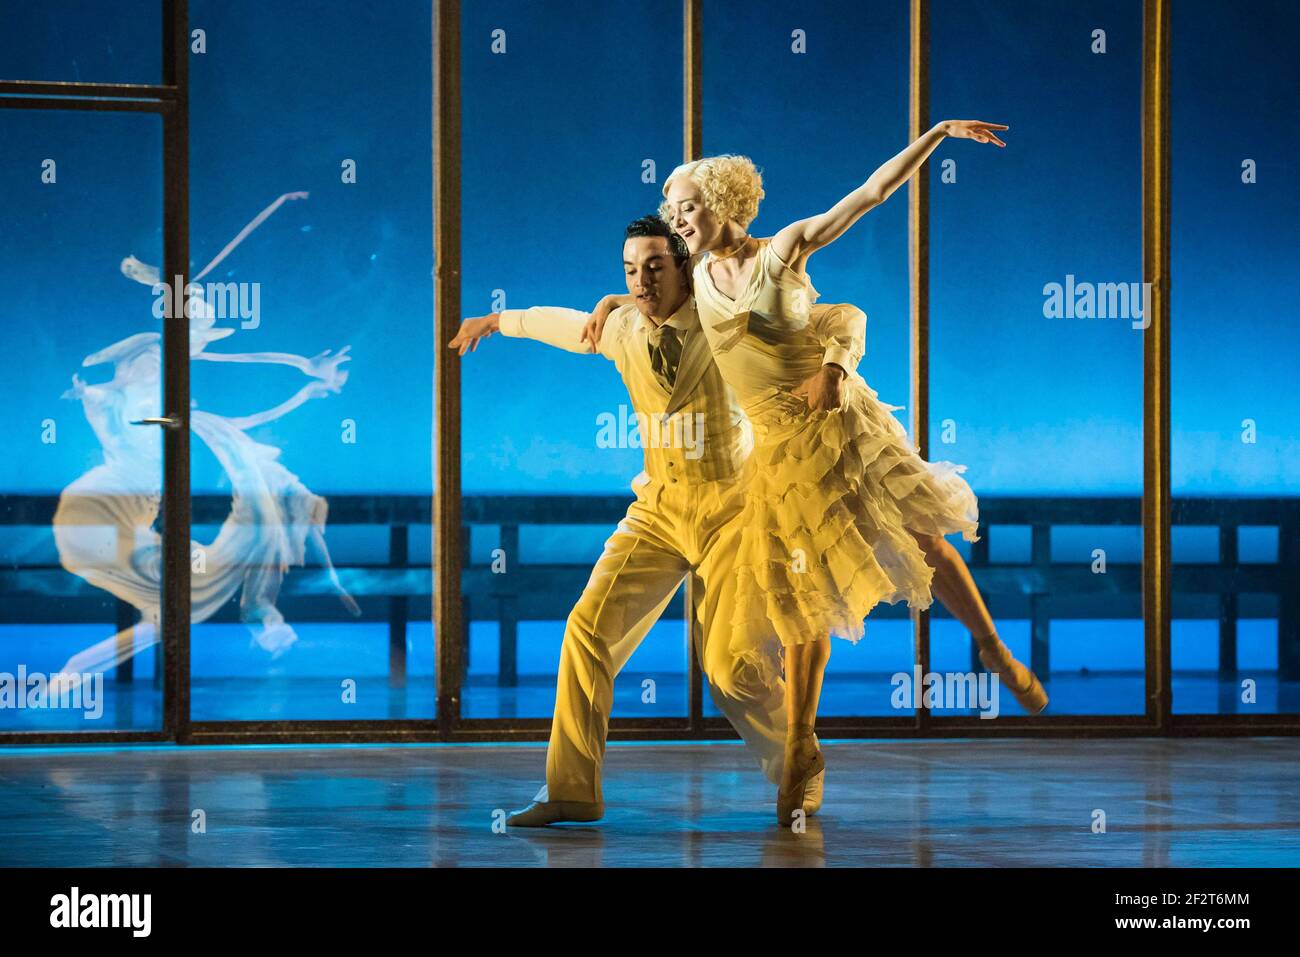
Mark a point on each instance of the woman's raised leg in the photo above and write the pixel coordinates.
(955, 588)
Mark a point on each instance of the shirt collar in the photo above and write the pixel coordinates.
(684, 319)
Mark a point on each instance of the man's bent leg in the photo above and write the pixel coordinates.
(756, 709)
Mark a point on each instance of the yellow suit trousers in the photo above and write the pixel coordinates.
(674, 528)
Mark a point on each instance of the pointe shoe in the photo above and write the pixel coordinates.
(812, 794)
(542, 813)
(796, 799)
(998, 659)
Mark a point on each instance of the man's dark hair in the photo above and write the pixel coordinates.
(654, 226)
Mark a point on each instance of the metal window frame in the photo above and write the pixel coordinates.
(170, 99)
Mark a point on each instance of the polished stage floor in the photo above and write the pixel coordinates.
(952, 803)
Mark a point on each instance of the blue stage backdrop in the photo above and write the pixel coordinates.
(569, 132)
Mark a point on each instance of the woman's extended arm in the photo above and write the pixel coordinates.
(796, 242)
(595, 326)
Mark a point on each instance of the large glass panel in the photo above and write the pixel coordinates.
(312, 383)
(1036, 336)
(84, 41)
(570, 123)
(82, 196)
(1236, 281)
(816, 95)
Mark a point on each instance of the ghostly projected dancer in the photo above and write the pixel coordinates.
(103, 526)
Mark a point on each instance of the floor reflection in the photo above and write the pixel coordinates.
(957, 803)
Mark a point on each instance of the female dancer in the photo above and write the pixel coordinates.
(844, 513)
(103, 525)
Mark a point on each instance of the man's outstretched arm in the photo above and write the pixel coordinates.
(558, 327)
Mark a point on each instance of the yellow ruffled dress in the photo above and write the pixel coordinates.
(824, 533)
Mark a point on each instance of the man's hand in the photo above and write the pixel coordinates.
(474, 330)
(591, 332)
(824, 389)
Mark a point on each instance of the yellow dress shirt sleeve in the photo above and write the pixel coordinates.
(552, 325)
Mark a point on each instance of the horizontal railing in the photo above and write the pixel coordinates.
(398, 589)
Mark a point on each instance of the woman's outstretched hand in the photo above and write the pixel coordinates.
(976, 130)
(473, 331)
(823, 390)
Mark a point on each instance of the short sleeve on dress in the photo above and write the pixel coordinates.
(786, 293)
(785, 277)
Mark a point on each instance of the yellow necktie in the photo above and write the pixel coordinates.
(665, 354)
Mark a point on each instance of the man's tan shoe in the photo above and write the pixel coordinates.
(542, 813)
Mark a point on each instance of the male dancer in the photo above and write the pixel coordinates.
(682, 522)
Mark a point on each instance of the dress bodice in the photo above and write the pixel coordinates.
(763, 342)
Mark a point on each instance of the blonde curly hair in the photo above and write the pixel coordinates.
(731, 186)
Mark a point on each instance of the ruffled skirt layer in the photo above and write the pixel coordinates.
(825, 531)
